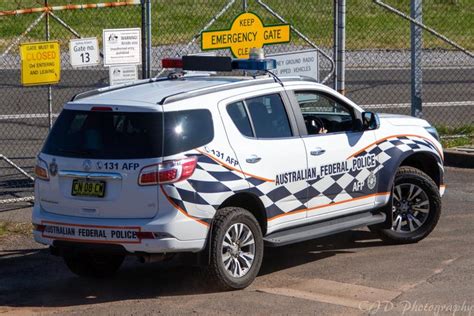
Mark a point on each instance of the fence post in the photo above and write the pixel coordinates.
(146, 39)
(50, 92)
(416, 43)
(335, 40)
(341, 46)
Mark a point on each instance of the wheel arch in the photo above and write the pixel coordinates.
(251, 203)
(426, 162)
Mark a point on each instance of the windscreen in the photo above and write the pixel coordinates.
(128, 135)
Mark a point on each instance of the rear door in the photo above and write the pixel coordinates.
(94, 160)
(263, 134)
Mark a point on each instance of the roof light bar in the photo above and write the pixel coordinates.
(172, 63)
(207, 63)
(218, 63)
(254, 64)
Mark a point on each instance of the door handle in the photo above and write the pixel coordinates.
(317, 151)
(253, 159)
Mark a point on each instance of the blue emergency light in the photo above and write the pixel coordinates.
(254, 64)
(218, 63)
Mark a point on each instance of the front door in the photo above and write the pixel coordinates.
(343, 183)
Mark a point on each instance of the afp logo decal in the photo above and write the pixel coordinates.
(371, 181)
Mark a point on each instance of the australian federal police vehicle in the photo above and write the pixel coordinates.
(220, 166)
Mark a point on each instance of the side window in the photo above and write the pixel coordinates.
(269, 117)
(322, 114)
(261, 117)
(238, 113)
(187, 129)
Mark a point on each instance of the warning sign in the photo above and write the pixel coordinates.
(122, 46)
(40, 63)
(247, 31)
(299, 63)
(123, 74)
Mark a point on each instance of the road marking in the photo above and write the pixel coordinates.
(427, 105)
(337, 293)
(26, 116)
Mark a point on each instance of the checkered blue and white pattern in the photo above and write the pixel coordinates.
(212, 183)
(391, 151)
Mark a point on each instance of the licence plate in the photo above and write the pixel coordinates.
(84, 187)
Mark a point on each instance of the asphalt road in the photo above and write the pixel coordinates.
(349, 273)
(363, 86)
(390, 91)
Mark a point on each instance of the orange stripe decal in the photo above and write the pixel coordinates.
(181, 210)
(328, 205)
(393, 136)
(233, 168)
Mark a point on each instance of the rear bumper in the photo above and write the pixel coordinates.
(167, 245)
(173, 232)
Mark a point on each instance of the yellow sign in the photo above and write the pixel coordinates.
(40, 63)
(247, 31)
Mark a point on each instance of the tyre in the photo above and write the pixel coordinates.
(416, 207)
(93, 265)
(236, 249)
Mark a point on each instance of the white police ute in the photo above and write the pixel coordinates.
(219, 166)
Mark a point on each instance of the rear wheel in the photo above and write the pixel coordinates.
(93, 265)
(236, 249)
(416, 207)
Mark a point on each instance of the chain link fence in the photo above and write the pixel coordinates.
(24, 117)
(377, 58)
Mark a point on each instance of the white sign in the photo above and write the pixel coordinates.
(122, 46)
(123, 74)
(84, 52)
(300, 63)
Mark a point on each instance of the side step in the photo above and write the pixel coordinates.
(321, 229)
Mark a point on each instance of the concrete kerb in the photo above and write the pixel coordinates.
(461, 157)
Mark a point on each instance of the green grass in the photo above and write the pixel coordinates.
(456, 136)
(368, 25)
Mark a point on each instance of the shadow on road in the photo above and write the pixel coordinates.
(34, 278)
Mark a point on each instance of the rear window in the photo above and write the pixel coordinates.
(128, 135)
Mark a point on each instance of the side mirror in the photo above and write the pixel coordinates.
(370, 121)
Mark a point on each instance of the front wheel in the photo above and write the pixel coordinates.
(416, 207)
(236, 249)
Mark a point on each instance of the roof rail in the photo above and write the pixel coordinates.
(91, 93)
(233, 85)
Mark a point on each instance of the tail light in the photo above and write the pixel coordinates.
(39, 227)
(41, 170)
(168, 171)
